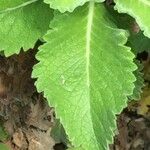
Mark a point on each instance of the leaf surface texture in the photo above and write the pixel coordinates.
(6, 5)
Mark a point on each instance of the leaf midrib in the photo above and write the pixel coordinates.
(88, 50)
(88, 39)
(19, 6)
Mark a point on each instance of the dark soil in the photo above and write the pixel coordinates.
(134, 131)
(134, 122)
(25, 113)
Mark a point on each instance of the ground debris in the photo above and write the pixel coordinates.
(24, 113)
(134, 132)
(32, 139)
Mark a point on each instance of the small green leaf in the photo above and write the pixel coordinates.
(139, 43)
(137, 40)
(85, 72)
(139, 9)
(67, 5)
(3, 134)
(22, 27)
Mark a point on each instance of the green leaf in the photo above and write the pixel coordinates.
(67, 5)
(139, 83)
(3, 147)
(139, 9)
(139, 43)
(85, 72)
(22, 27)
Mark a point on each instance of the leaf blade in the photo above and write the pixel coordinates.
(76, 72)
